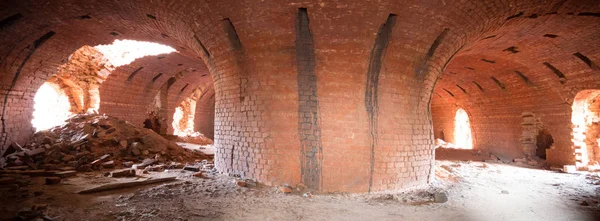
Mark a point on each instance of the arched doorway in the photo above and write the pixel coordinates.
(586, 129)
(463, 137)
(544, 140)
(75, 88)
(51, 107)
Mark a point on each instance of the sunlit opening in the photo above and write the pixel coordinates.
(183, 118)
(123, 52)
(51, 108)
(585, 118)
(462, 130)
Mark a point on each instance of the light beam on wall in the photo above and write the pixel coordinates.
(123, 52)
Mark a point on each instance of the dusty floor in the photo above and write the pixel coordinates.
(476, 191)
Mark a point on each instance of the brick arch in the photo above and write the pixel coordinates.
(533, 65)
(334, 95)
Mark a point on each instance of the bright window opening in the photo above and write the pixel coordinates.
(51, 108)
(463, 138)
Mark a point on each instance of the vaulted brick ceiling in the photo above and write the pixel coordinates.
(333, 94)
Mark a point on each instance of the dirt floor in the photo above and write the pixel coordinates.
(476, 191)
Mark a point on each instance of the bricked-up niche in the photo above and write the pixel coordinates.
(532, 126)
(309, 122)
(463, 138)
(51, 108)
(371, 92)
(586, 129)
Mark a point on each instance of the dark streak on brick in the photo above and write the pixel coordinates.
(156, 77)
(525, 78)
(84, 17)
(500, 84)
(232, 35)
(470, 68)
(32, 48)
(184, 87)
(132, 75)
(512, 49)
(557, 72)
(478, 86)
(371, 92)
(236, 44)
(151, 16)
(550, 36)
(447, 91)
(488, 37)
(488, 61)
(309, 119)
(436, 43)
(462, 89)
(206, 53)
(587, 61)
(515, 16)
(591, 14)
(9, 21)
(170, 82)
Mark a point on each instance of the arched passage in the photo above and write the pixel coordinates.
(463, 137)
(585, 119)
(51, 107)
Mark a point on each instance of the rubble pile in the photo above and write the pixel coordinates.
(195, 138)
(90, 141)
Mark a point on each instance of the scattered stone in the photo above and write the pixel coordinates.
(199, 175)
(440, 197)
(39, 207)
(504, 191)
(108, 164)
(569, 169)
(191, 168)
(85, 168)
(35, 151)
(65, 174)
(584, 203)
(128, 164)
(123, 173)
(52, 180)
(123, 143)
(250, 183)
(66, 168)
(144, 164)
(17, 168)
(67, 158)
(241, 183)
(284, 189)
(7, 180)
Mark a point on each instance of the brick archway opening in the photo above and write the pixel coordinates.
(463, 137)
(78, 81)
(183, 118)
(51, 107)
(586, 127)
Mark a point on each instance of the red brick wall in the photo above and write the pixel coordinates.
(369, 84)
(495, 112)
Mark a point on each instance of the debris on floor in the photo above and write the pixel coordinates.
(90, 142)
